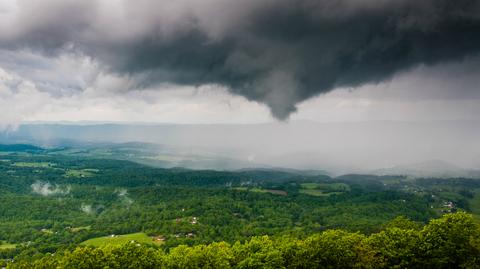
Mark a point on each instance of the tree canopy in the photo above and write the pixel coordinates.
(452, 241)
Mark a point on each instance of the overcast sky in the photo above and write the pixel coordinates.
(222, 61)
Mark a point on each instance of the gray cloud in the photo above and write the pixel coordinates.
(275, 52)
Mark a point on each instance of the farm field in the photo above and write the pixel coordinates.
(315, 192)
(80, 173)
(4, 245)
(34, 164)
(323, 189)
(120, 239)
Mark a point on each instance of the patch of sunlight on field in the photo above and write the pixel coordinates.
(323, 189)
(241, 188)
(272, 191)
(5, 245)
(80, 173)
(314, 192)
(142, 238)
(34, 164)
(310, 185)
(78, 229)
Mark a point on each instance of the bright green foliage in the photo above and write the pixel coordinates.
(216, 255)
(259, 252)
(453, 241)
(5, 245)
(119, 239)
(403, 223)
(397, 247)
(89, 198)
(130, 255)
(331, 249)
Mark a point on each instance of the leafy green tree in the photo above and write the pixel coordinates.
(404, 223)
(333, 249)
(398, 248)
(451, 241)
(258, 252)
(216, 255)
(130, 255)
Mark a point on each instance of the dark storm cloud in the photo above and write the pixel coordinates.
(275, 52)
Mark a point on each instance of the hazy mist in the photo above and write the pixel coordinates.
(336, 147)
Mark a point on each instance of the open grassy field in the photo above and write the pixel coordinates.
(318, 192)
(276, 192)
(310, 186)
(241, 188)
(326, 186)
(120, 239)
(314, 192)
(80, 173)
(5, 245)
(78, 229)
(34, 164)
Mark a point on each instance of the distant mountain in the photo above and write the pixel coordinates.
(19, 147)
(431, 168)
(290, 171)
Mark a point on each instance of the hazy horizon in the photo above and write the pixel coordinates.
(352, 85)
(335, 147)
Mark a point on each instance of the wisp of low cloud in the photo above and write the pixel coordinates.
(47, 189)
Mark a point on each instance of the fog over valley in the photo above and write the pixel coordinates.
(334, 147)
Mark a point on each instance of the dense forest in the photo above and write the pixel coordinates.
(59, 209)
(452, 241)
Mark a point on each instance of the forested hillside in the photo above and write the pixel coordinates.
(74, 205)
(452, 241)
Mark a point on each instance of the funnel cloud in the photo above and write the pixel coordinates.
(279, 53)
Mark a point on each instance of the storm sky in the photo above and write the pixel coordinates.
(229, 61)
